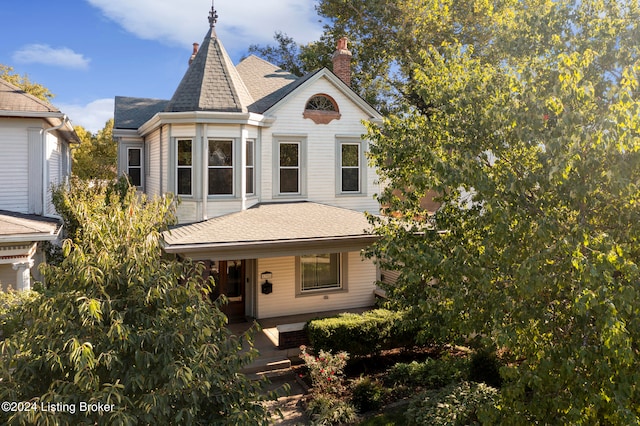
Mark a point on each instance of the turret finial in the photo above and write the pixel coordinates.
(213, 16)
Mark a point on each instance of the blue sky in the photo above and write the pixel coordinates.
(86, 52)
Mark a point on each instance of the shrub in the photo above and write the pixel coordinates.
(485, 368)
(328, 410)
(10, 305)
(462, 403)
(367, 394)
(125, 325)
(326, 370)
(359, 334)
(432, 373)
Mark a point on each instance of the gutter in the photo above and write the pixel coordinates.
(249, 245)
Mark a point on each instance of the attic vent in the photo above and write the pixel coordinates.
(322, 109)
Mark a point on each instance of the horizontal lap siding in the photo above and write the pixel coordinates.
(321, 147)
(152, 184)
(55, 169)
(14, 175)
(360, 276)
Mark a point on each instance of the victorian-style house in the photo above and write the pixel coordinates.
(272, 174)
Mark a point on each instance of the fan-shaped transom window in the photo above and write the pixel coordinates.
(321, 103)
(322, 109)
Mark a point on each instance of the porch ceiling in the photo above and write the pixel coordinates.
(270, 230)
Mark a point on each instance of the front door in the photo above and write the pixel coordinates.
(229, 278)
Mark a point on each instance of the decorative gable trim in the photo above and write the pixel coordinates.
(339, 84)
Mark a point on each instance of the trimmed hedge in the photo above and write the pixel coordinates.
(359, 334)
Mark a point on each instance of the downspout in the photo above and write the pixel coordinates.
(45, 169)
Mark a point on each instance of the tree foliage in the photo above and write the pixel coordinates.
(23, 82)
(527, 125)
(96, 156)
(122, 324)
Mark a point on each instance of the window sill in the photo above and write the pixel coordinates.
(351, 194)
(320, 292)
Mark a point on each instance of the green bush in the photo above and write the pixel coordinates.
(10, 305)
(359, 334)
(124, 325)
(367, 394)
(328, 410)
(326, 370)
(485, 368)
(432, 373)
(457, 404)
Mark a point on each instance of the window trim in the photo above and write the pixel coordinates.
(342, 274)
(252, 167)
(139, 167)
(322, 116)
(232, 167)
(362, 166)
(302, 165)
(178, 166)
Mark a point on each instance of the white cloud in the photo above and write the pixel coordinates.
(240, 23)
(92, 116)
(45, 54)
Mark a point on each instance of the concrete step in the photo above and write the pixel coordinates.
(262, 365)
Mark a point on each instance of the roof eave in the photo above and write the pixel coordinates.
(23, 238)
(210, 117)
(274, 248)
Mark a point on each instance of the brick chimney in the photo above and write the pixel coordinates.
(195, 51)
(342, 61)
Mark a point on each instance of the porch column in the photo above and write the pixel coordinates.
(23, 276)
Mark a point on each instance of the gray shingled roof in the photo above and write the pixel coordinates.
(272, 222)
(131, 113)
(211, 82)
(38, 228)
(266, 82)
(14, 99)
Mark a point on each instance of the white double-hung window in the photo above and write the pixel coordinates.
(289, 167)
(220, 167)
(184, 172)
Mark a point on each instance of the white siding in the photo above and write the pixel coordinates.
(14, 173)
(360, 284)
(54, 169)
(320, 140)
(152, 163)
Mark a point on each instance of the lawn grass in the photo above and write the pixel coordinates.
(393, 417)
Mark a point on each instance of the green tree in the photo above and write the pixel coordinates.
(96, 156)
(23, 82)
(123, 324)
(286, 54)
(533, 142)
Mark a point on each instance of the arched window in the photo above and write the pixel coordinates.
(322, 109)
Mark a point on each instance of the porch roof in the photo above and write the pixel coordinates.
(272, 230)
(17, 227)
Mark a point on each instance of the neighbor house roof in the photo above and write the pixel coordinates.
(15, 102)
(12, 98)
(273, 229)
(16, 227)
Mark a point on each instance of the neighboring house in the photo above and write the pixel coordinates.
(272, 176)
(35, 154)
